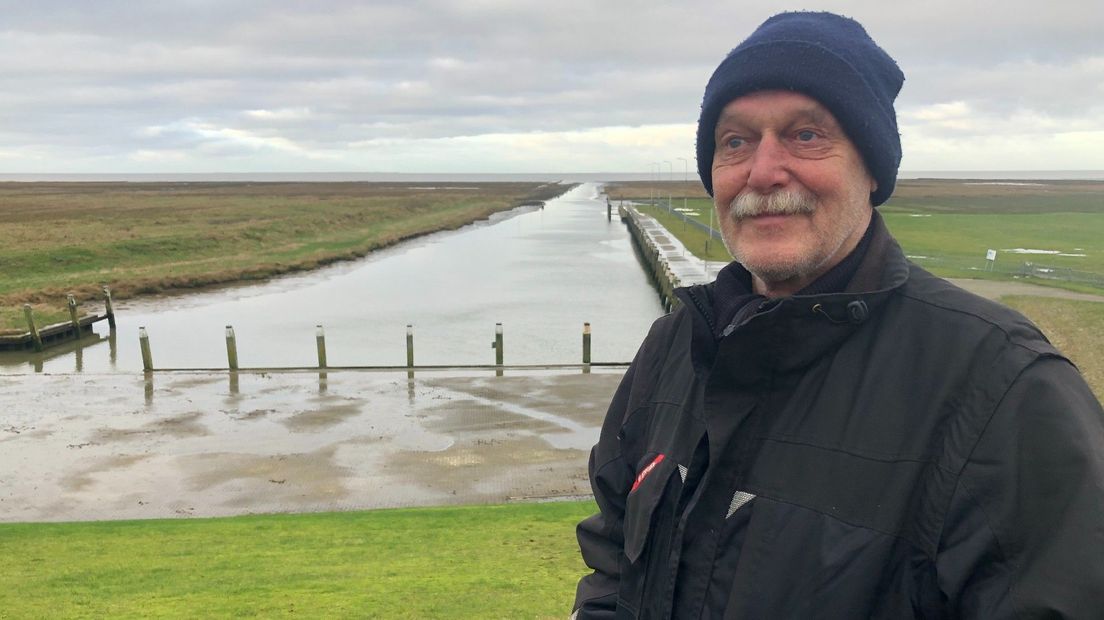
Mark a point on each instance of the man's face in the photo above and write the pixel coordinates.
(791, 190)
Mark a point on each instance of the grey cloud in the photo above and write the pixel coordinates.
(95, 77)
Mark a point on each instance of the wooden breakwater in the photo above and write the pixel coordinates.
(38, 338)
(233, 365)
(668, 261)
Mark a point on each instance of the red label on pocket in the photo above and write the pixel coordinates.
(647, 470)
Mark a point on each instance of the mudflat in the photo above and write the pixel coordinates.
(113, 446)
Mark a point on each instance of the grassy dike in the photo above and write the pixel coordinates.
(508, 561)
(145, 238)
(947, 225)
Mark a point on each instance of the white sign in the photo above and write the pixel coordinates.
(990, 255)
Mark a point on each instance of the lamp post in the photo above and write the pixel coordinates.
(656, 163)
(671, 170)
(685, 172)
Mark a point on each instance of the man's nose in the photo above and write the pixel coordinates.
(769, 166)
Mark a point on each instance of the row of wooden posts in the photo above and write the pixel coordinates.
(75, 322)
(320, 344)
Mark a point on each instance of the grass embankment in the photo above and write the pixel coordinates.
(947, 225)
(512, 561)
(141, 238)
(1076, 328)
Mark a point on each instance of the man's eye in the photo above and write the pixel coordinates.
(805, 136)
(735, 143)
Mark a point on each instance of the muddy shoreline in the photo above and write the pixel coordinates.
(111, 446)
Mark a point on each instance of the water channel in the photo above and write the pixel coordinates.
(541, 272)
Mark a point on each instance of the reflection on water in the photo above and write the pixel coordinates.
(542, 273)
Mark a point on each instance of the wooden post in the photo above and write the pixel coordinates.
(320, 338)
(409, 346)
(231, 348)
(73, 316)
(498, 344)
(109, 309)
(29, 314)
(586, 343)
(147, 358)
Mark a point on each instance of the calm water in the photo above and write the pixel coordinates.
(574, 177)
(540, 272)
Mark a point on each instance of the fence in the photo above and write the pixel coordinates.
(1024, 270)
(320, 347)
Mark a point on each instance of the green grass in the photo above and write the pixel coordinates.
(1075, 327)
(948, 225)
(141, 238)
(692, 237)
(509, 561)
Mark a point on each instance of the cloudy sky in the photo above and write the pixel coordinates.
(504, 85)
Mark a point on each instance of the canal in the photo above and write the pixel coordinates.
(541, 272)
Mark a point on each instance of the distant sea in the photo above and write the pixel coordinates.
(572, 177)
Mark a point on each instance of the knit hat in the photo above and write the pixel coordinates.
(829, 58)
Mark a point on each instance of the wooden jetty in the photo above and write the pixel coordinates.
(38, 338)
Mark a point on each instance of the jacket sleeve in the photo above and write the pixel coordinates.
(600, 536)
(1024, 535)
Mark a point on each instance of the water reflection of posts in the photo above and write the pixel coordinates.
(73, 316)
(78, 356)
(147, 357)
(149, 388)
(113, 345)
(586, 348)
(231, 349)
(29, 315)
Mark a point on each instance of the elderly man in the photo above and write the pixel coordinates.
(828, 431)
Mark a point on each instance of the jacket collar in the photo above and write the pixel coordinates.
(789, 333)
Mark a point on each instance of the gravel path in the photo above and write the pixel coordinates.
(994, 289)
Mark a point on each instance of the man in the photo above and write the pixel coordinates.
(828, 431)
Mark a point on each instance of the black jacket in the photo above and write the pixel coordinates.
(900, 450)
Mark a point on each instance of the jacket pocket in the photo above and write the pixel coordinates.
(648, 490)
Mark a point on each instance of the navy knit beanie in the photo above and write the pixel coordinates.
(829, 58)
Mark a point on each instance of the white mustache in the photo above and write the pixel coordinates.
(751, 203)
